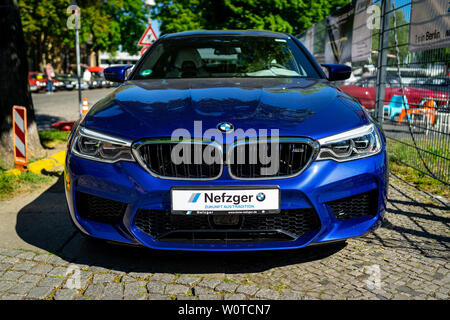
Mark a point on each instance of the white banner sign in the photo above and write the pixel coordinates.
(338, 40)
(430, 25)
(362, 34)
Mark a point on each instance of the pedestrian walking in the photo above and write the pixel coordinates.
(87, 75)
(50, 75)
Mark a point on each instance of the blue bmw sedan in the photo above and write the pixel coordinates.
(226, 141)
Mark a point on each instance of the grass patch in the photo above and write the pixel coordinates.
(50, 138)
(422, 181)
(400, 152)
(27, 181)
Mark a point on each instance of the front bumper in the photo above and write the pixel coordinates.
(321, 183)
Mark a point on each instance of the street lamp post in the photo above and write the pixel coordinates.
(149, 4)
(77, 46)
(73, 22)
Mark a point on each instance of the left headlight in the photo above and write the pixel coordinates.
(101, 147)
(350, 145)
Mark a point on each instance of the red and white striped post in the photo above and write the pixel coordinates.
(20, 137)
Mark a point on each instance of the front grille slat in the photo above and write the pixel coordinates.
(157, 159)
(293, 158)
(162, 160)
(160, 224)
(244, 160)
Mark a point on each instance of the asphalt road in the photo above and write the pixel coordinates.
(62, 105)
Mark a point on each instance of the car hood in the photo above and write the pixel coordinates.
(296, 107)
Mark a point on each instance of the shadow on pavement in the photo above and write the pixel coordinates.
(45, 121)
(415, 225)
(45, 223)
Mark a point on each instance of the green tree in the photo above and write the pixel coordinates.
(402, 31)
(42, 25)
(105, 25)
(289, 16)
(14, 89)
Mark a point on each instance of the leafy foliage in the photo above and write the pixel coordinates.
(49, 138)
(402, 31)
(289, 16)
(105, 25)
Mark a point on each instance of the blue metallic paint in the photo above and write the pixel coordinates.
(297, 107)
(338, 71)
(311, 108)
(323, 181)
(117, 73)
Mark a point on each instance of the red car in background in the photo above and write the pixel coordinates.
(37, 81)
(365, 91)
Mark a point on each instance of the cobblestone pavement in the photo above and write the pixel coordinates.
(405, 259)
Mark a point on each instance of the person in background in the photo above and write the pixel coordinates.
(50, 75)
(86, 75)
(365, 72)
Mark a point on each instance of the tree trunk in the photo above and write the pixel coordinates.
(14, 87)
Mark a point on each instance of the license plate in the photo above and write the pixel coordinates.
(225, 200)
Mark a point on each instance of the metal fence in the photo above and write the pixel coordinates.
(399, 78)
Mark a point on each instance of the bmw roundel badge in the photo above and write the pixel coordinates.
(260, 196)
(225, 127)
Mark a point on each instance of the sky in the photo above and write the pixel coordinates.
(155, 25)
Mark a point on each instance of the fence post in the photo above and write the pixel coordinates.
(382, 60)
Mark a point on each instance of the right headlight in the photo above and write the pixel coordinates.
(97, 146)
(350, 145)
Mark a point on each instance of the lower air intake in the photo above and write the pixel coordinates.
(99, 209)
(285, 226)
(364, 204)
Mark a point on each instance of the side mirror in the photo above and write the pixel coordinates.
(116, 74)
(338, 71)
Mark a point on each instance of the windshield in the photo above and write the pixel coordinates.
(223, 57)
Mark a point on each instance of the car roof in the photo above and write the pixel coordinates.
(250, 33)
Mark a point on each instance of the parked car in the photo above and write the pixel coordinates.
(254, 150)
(34, 88)
(37, 81)
(418, 82)
(97, 81)
(93, 84)
(434, 84)
(58, 84)
(84, 84)
(68, 82)
(365, 91)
